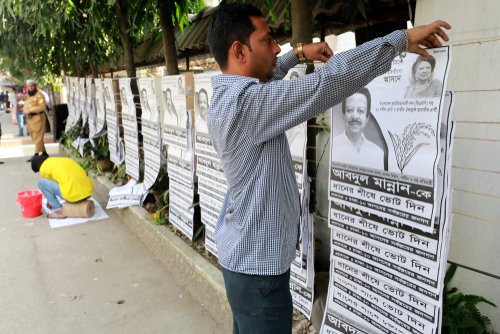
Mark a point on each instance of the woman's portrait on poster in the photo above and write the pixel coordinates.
(422, 82)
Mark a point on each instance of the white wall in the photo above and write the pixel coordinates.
(474, 76)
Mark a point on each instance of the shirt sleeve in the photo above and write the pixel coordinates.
(274, 107)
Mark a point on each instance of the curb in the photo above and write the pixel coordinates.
(190, 269)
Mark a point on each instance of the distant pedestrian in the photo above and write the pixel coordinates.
(34, 109)
(18, 116)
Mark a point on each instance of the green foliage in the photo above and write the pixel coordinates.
(160, 216)
(200, 232)
(67, 138)
(119, 174)
(100, 149)
(460, 312)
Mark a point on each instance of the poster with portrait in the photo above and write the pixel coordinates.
(116, 149)
(73, 101)
(100, 127)
(203, 93)
(302, 267)
(91, 112)
(130, 130)
(387, 276)
(297, 136)
(175, 111)
(384, 142)
(151, 133)
(83, 103)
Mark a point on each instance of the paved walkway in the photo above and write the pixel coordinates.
(91, 278)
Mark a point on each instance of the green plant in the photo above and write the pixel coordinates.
(100, 149)
(119, 174)
(460, 312)
(159, 217)
(200, 232)
(67, 138)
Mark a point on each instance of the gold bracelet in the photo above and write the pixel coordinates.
(300, 52)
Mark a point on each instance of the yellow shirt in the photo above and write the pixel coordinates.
(72, 178)
(34, 104)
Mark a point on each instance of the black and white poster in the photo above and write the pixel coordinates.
(116, 149)
(130, 130)
(389, 201)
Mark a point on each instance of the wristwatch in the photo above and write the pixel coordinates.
(300, 52)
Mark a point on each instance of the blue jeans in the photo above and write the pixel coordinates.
(21, 121)
(260, 304)
(51, 191)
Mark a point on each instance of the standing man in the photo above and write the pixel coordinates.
(250, 110)
(18, 116)
(34, 108)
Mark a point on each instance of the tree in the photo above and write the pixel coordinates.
(174, 14)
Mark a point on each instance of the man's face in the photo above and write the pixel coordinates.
(262, 58)
(356, 113)
(168, 100)
(203, 104)
(31, 88)
(423, 71)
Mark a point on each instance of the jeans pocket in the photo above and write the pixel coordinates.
(266, 285)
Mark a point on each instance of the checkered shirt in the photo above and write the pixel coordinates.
(256, 232)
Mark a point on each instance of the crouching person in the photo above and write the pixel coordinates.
(63, 178)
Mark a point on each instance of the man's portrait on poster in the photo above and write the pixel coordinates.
(146, 109)
(173, 118)
(202, 107)
(361, 141)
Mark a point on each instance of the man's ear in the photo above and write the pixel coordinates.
(238, 51)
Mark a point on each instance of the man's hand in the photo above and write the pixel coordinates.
(316, 51)
(427, 35)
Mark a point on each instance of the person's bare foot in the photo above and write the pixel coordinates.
(56, 215)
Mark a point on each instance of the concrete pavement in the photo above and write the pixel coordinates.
(96, 277)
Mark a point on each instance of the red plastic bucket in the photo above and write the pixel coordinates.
(30, 202)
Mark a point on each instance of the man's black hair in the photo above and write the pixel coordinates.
(37, 162)
(230, 23)
(364, 91)
(203, 91)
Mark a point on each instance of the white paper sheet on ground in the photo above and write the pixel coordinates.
(132, 193)
(55, 223)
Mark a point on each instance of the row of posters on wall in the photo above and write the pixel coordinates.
(389, 192)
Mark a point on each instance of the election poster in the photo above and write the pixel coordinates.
(91, 111)
(384, 147)
(116, 149)
(389, 201)
(73, 103)
(180, 167)
(130, 129)
(212, 184)
(203, 94)
(176, 112)
(151, 130)
(100, 126)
